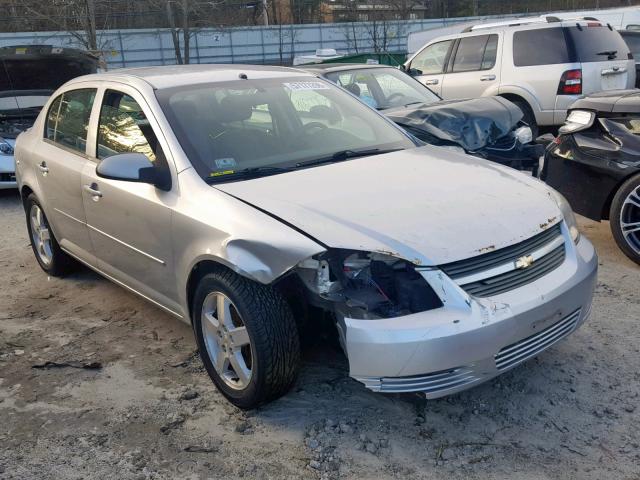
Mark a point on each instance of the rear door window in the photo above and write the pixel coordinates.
(476, 53)
(543, 46)
(68, 119)
(596, 43)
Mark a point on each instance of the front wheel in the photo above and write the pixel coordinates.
(247, 338)
(624, 218)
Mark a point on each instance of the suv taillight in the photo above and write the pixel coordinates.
(571, 83)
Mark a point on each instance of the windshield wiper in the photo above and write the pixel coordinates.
(246, 173)
(345, 155)
(611, 54)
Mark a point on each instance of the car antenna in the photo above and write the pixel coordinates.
(242, 76)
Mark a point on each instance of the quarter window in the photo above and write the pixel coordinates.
(68, 119)
(476, 53)
(124, 128)
(543, 46)
(431, 60)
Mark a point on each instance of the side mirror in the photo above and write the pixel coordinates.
(414, 72)
(133, 167)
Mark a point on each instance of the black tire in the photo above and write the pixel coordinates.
(630, 214)
(60, 263)
(274, 340)
(527, 116)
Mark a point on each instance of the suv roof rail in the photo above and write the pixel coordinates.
(527, 21)
(514, 22)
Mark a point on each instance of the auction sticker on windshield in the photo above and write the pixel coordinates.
(295, 86)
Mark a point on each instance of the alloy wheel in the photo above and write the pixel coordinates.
(40, 234)
(227, 340)
(630, 220)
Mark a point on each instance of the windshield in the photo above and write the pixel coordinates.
(229, 127)
(383, 88)
(597, 43)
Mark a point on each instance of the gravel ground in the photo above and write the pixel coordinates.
(125, 397)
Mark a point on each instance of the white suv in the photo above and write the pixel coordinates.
(541, 64)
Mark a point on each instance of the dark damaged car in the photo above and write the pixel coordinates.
(487, 127)
(595, 163)
(28, 76)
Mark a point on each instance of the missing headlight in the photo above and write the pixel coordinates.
(370, 285)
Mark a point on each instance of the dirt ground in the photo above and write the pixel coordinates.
(143, 407)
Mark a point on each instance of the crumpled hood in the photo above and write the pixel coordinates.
(428, 205)
(472, 124)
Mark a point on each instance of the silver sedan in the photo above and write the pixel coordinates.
(252, 202)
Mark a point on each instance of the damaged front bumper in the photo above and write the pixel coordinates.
(519, 156)
(471, 340)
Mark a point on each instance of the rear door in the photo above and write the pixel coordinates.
(431, 63)
(59, 162)
(474, 68)
(607, 63)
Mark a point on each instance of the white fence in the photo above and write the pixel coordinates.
(272, 44)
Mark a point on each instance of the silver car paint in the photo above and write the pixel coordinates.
(406, 204)
(137, 248)
(150, 241)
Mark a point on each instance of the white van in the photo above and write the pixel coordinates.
(543, 64)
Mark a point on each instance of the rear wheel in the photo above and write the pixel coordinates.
(50, 256)
(527, 116)
(247, 338)
(624, 218)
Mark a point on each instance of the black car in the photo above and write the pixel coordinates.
(595, 163)
(487, 127)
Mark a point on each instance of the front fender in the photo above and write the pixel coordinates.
(212, 226)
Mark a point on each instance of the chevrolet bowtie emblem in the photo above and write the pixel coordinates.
(524, 262)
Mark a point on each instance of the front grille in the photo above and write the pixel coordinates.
(518, 352)
(429, 383)
(512, 278)
(7, 177)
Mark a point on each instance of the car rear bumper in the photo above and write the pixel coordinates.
(463, 344)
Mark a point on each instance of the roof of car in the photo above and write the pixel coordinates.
(527, 23)
(176, 75)
(321, 68)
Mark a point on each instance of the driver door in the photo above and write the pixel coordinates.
(431, 62)
(129, 222)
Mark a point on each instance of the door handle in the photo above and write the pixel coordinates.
(613, 71)
(93, 191)
(43, 168)
(487, 78)
(433, 81)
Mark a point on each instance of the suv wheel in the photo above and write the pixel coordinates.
(527, 116)
(49, 255)
(625, 218)
(247, 338)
